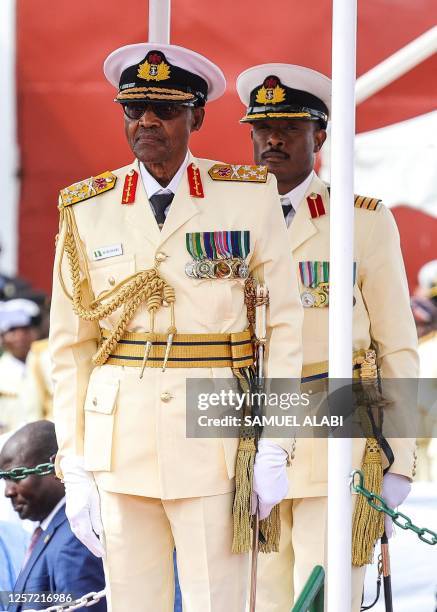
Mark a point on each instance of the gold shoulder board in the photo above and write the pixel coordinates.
(243, 174)
(83, 190)
(367, 203)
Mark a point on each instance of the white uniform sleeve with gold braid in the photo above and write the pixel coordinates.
(385, 291)
(273, 263)
(72, 343)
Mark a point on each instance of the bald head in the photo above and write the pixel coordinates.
(35, 443)
(33, 497)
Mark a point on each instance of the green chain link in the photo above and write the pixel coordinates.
(19, 473)
(398, 518)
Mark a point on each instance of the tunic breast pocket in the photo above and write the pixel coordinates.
(223, 297)
(107, 274)
(100, 405)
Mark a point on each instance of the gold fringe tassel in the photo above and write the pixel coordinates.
(271, 530)
(368, 523)
(243, 495)
(242, 516)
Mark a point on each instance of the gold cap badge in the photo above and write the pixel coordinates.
(270, 92)
(154, 68)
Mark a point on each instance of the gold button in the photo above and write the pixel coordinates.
(313, 196)
(111, 281)
(95, 401)
(166, 396)
(160, 256)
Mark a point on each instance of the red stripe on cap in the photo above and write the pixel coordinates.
(195, 182)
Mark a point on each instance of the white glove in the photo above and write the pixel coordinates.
(82, 504)
(395, 490)
(270, 482)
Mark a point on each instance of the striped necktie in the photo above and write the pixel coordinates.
(160, 201)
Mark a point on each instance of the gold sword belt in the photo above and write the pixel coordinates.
(230, 350)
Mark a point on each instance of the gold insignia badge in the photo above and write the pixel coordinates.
(270, 92)
(83, 190)
(154, 68)
(243, 174)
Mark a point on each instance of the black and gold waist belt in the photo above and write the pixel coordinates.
(319, 371)
(232, 350)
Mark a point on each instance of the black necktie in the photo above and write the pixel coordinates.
(287, 207)
(160, 201)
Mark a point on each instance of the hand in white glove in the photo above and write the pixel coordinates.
(270, 482)
(395, 490)
(82, 504)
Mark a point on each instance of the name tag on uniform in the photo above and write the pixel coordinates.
(107, 251)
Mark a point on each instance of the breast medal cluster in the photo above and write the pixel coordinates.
(314, 276)
(219, 254)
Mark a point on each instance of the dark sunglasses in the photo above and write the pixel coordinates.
(135, 110)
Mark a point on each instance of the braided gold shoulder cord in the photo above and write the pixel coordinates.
(144, 286)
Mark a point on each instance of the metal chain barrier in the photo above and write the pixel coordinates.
(86, 601)
(19, 473)
(401, 520)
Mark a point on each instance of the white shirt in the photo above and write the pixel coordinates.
(46, 522)
(152, 186)
(295, 196)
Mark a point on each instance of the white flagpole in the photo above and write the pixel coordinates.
(159, 21)
(340, 293)
(9, 153)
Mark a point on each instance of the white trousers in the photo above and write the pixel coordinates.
(140, 534)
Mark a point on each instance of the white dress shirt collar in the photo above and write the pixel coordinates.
(46, 522)
(296, 195)
(152, 186)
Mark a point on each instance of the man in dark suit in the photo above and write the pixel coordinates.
(56, 562)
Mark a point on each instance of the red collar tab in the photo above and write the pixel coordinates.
(316, 206)
(130, 187)
(195, 182)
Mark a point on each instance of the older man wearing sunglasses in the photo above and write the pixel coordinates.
(149, 292)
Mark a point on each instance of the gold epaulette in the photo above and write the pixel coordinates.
(90, 187)
(243, 174)
(366, 203)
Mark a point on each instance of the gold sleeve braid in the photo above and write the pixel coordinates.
(145, 286)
